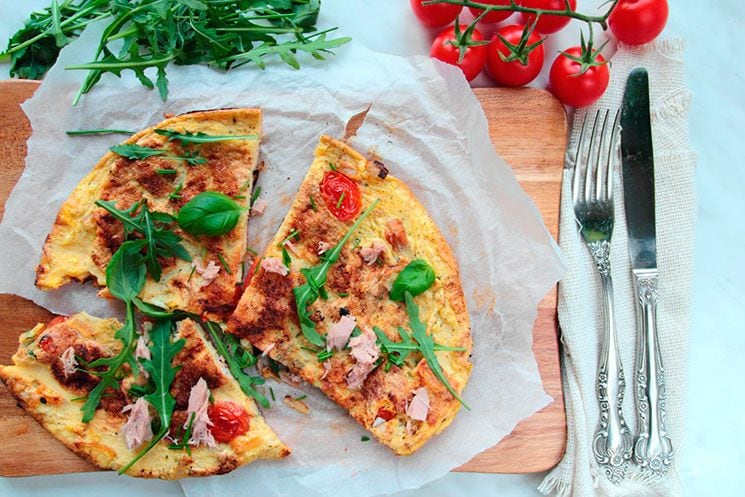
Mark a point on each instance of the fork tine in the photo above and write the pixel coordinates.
(578, 163)
(599, 185)
(612, 148)
(590, 153)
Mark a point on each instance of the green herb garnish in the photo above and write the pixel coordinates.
(84, 132)
(427, 345)
(301, 397)
(255, 196)
(365, 438)
(209, 213)
(332, 166)
(176, 194)
(416, 278)
(313, 204)
(271, 392)
(166, 172)
(199, 137)
(133, 152)
(341, 199)
(286, 259)
(183, 441)
(162, 374)
(125, 277)
(315, 278)
(158, 240)
(224, 263)
(294, 235)
(237, 358)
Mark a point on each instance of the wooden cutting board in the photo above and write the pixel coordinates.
(528, 129)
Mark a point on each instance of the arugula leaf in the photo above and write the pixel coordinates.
(125, 277)
(133, 151)
(199, 137)
(162, 374)
(416, 278)
(154, 311)
(315, 278)
(237, 358)
(159, 240)
(427, 345)
(85, 132)
(209, 213)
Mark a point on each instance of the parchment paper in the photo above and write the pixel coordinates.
(430, 130)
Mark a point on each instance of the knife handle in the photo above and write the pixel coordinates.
(613, 443)
(653, 450)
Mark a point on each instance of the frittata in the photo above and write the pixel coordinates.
(50, 381)
(84, 236)
(403, 405)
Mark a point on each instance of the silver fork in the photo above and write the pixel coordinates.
(593, 211)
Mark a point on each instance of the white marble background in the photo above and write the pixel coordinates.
(713, 457)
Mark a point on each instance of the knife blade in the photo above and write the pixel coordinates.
(653, 448)
(638, 171)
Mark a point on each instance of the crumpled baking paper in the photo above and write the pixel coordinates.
(426, 125)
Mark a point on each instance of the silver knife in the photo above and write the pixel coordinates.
(653, 449)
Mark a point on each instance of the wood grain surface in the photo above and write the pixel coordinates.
(527, 128)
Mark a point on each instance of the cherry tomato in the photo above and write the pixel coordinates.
(547, 24)
(435, 15)
(385, 414)
(513, 73)
(341, 195)
(57, 320)
(473, 61)
(638, 21)
(573, 87)
(494, 16)
(229, 420)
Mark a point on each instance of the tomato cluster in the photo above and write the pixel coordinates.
(515, 56)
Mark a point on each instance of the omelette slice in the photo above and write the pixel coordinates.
(347, 341)
(50, 381)
(84, 236)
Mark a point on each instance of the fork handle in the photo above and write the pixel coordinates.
(613, 442)
(653, 449)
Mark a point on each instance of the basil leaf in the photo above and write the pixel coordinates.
(125, 273)
(415, 278)
(209, 213)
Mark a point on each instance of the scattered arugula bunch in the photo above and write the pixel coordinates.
(158, 239)
(315, 278)
(237, 359)
(162, 374)
(146, 35)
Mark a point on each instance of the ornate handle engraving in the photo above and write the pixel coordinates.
(653, 449)
(613, 442)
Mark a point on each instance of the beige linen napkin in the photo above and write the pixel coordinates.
(580, 310)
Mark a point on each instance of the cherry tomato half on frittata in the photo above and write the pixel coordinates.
(341, 195)
(435, 15)
(444, 49)
(229, 420)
